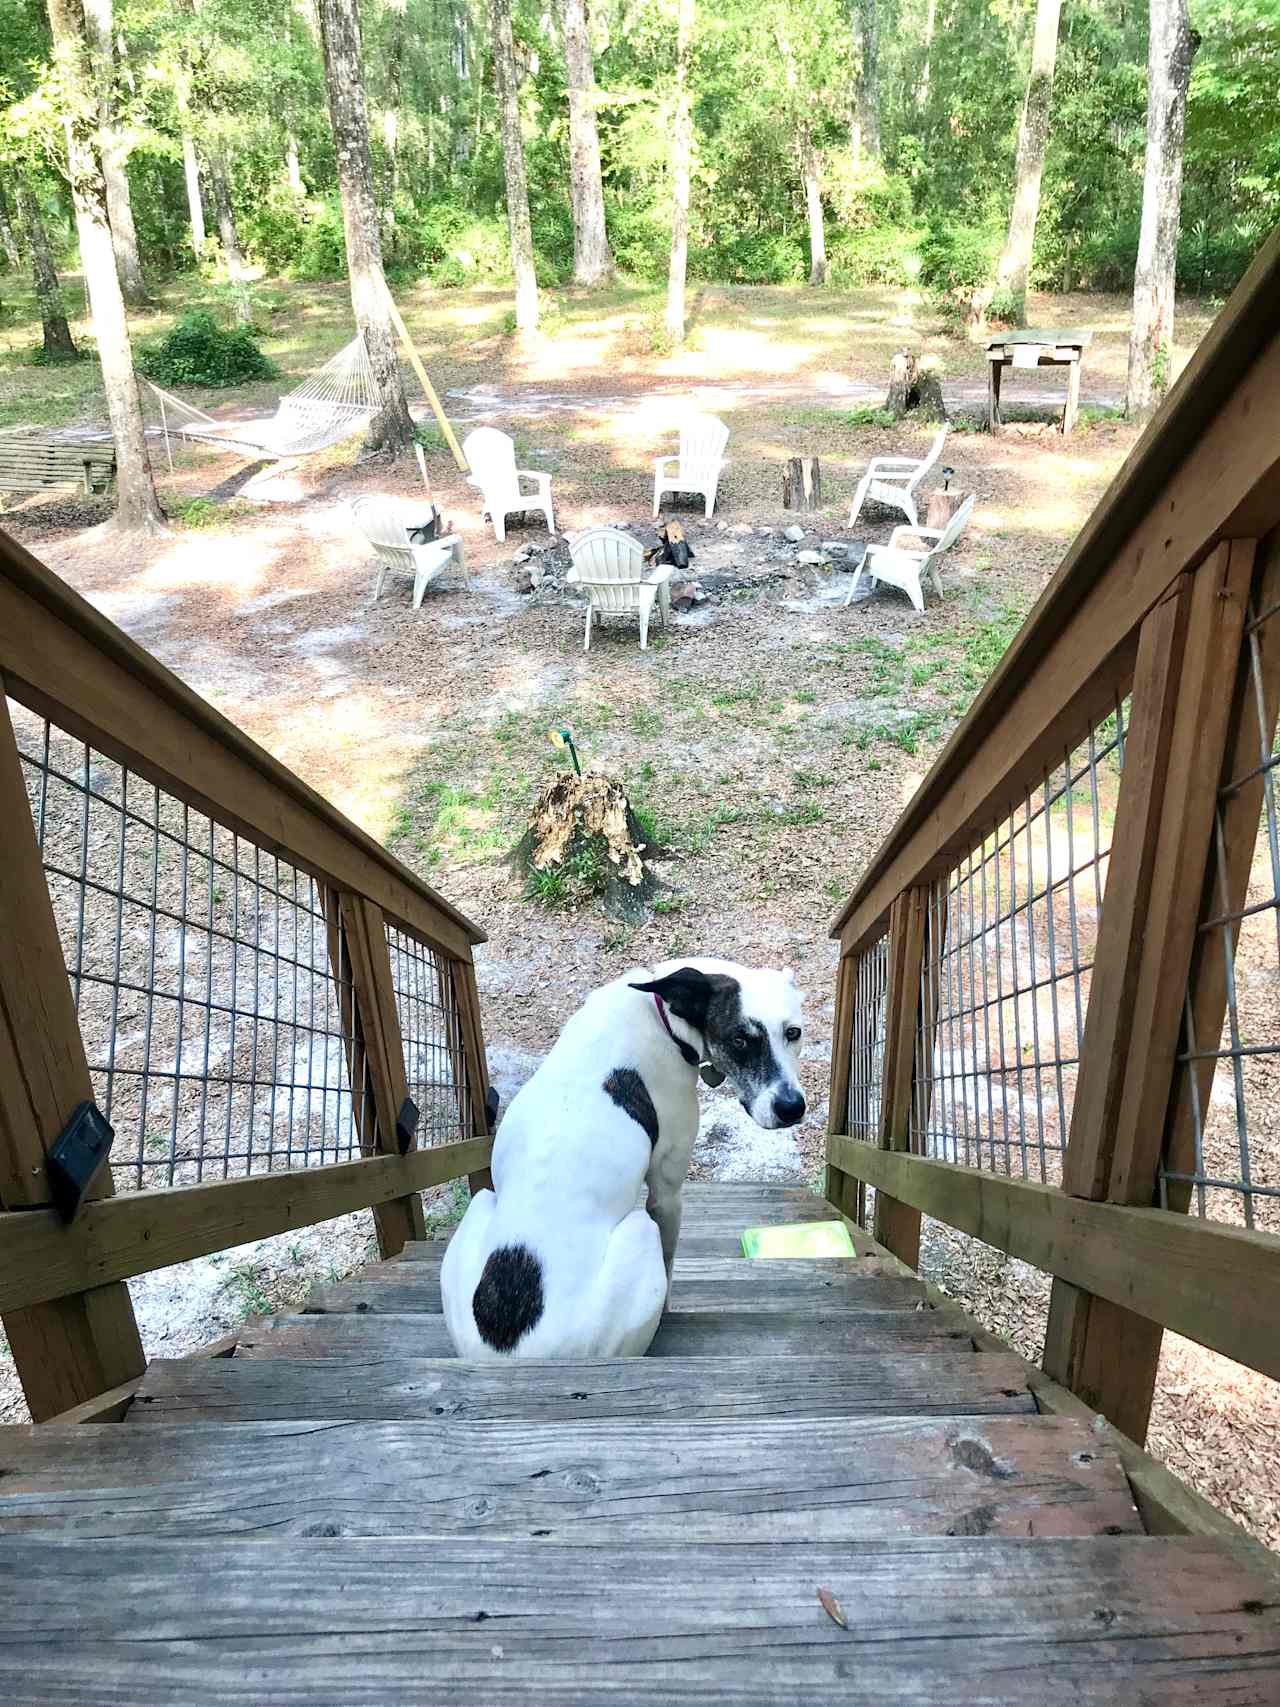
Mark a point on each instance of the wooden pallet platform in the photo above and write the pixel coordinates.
(343, 1512)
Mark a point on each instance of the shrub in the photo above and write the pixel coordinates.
(880, 255)
(641, 240)
(956, 259)
(763, 258)
(323, 252)
(273, 229)
(197, 351)
(477, 252)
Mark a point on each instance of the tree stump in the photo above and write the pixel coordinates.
(914, 386)
(903, 371)
(942, 506)
(802, 484)
(585, 844)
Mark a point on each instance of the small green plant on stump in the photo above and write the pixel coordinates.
(584, 843)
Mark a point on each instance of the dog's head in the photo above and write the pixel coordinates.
(749, 1023)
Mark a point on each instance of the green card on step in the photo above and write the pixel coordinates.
(799, 1239)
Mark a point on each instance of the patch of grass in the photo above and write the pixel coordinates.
(202, 513)
(646, 722)
(548, 888)
(244, 1289)
(727, 698)
(448, 1209)
(667, 904)
(808, 813)
(813, 779)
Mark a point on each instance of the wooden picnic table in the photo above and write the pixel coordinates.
(1036, 347)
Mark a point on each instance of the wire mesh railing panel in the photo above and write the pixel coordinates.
(866, 1071)
(1009, 945)
(1227, 1161)
(434, 1059)
(199, 964)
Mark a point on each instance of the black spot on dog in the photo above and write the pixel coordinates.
(625, 1086)
(508, 1301)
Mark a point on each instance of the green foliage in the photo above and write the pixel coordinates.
(198, 351)
(956, 259)
(762, 258)
(323, 251)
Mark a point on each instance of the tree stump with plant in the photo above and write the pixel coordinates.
(915, 387)
(584, 843)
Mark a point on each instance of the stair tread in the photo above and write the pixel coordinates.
(930, 1622)
(636, 1479)
(375, 1384)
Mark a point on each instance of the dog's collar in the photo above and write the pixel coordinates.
(709, 1075)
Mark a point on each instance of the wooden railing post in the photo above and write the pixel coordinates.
(846, 1193)
(361, 965)
(472, 1062)
(73, 1348)
(897, 1225)
(1190, 646)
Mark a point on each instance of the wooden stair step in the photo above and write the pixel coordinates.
(726, 1243)
(698, 1283)
(268, 1385)
(1168, 1620)
(635, 1480)
(696, 1334)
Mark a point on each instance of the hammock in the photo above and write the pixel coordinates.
(335, 403)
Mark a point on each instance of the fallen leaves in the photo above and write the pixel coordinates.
(832, 1607)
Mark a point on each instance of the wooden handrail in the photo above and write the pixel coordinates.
(1207, 468)
(64, 659)
(1214, 1284)
(118, 1237)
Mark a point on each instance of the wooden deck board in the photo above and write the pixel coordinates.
(694, 1333)
(668, 1481)
(374, 1386)
(382, 1621)
(697, 1284)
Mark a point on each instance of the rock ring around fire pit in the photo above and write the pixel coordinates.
(723, 565)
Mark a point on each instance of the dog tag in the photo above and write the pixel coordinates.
(710, 1075)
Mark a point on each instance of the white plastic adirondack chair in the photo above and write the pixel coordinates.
(492, 456)
(698, 461)
(385, 524)
(905, 568)
(893, 480)
(609, 567)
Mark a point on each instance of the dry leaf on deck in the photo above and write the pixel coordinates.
(832, 1607)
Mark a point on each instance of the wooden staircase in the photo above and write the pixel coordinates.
(341, 1512)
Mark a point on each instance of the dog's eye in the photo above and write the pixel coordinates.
(739, 1043)
(792, 1034)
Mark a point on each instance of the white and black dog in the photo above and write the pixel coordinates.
(560, 1260)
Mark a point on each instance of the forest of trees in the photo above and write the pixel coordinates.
(977, 148)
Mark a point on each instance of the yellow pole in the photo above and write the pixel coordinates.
(415, 361)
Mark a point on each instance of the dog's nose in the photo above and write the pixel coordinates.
(788, 1108)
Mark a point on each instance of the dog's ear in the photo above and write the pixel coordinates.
(688, 993)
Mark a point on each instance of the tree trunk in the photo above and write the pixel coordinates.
(195, 208)
(869, 81)
(681, 161)
(8, 239)
(58, 343)
(1033, 135)
(504, 70)
(1171, 48)
(902, 383)
(395, 95)
(137, 504)
(228, 235)
(392, 428)
(813, 207)
(592, 260)
(124, 237)
(930, 21)
(293, 167)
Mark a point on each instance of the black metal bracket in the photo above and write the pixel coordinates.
(406, 1125)
(78, 1152)
(491, 1103)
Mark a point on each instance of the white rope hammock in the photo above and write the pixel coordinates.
(336, 402)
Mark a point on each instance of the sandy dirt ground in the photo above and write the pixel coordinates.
(773, 733)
